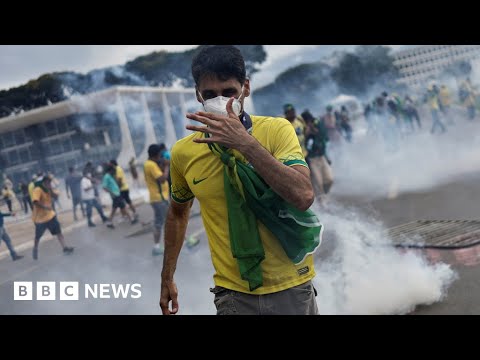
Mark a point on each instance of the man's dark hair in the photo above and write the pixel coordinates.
(154, 150)
(109, 168)
(71, 169)
(162, 147)
(114, 162)
(307, 116)
(222, 61)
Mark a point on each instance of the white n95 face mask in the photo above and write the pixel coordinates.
(218, 105)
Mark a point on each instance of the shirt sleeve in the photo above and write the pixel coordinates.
(181, 192)
(285, 145)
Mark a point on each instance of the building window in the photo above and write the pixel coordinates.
(24, 155)
(67, 145)
(8, 140)
(62, 126)
(13, 158)
(19, 137)
(50, 128)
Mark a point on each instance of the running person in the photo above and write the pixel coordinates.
(43, 215)
(157, 184)
(7, 196)
(124, 190)
(88, 197)
(72, 184)
(110, 185)
(4, 236)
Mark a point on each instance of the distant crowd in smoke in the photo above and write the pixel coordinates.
(390, 123)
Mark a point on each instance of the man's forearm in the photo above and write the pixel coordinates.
(175, 228)
(293, 186)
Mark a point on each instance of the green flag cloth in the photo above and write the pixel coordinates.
(250, 199)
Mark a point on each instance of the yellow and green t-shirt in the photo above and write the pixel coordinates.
(152, 173)
(196, 172)
(299, 126)
(40, 215)
(120, 177)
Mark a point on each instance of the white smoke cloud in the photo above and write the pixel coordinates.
(422, 160)
(365, 275)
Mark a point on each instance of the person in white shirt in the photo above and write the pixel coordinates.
(88, 197)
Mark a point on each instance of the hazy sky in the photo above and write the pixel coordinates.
(20, 63)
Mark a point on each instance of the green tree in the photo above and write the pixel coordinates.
(369, 65)
(159, 68)
(299, 85)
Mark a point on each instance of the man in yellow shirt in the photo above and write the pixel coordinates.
(468, 97)
(157, 185)
(7, 195)
(434, 104)
(298, 124)
(445, 101)
(271, 147)
(124, 190)
(43, 215)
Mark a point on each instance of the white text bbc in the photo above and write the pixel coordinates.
(69, 290)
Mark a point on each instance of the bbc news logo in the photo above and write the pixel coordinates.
(71, 290)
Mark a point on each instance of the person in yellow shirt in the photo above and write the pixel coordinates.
(124, 189)
(468, 97)
(298, 124)
(157, 184)
(434, 104)
(445, 101)
(7, 195)
(43, 215)
(271, 147)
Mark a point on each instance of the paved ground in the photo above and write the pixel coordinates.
(103, 255)
(111, 256)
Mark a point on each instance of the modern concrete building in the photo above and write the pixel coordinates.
(117, 123)
(424, 62)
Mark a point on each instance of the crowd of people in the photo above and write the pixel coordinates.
(41, 197)
(389, 117)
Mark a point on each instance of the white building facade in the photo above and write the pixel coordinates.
(425, 62)
(117, 123)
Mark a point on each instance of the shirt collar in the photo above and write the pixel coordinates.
(246, 121)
